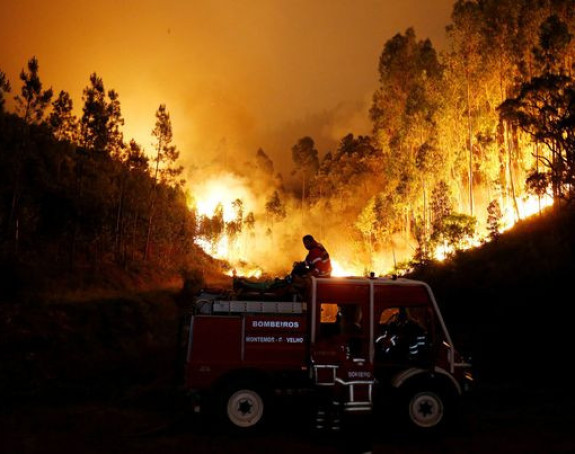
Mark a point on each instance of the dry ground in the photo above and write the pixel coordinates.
(510, 419)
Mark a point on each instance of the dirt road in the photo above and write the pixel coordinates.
(510, 419)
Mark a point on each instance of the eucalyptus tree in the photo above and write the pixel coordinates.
(404, 114)
(264, 163)
(545, 107)
(465, 40)
(306, 163)
(275, 209)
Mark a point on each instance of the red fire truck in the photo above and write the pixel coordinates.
(354, 346)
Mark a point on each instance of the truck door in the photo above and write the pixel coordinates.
(339, 353)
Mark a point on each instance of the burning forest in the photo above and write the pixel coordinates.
(464, 143)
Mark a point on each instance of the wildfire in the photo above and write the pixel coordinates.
(527, 206)
(226, 195)
(245, 271)
(223, 201)
(338, 270)
(223, 192)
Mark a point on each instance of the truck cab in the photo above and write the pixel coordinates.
(356, 345)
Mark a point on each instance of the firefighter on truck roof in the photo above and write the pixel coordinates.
(317, 258)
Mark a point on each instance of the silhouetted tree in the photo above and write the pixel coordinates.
(115, 145)
(275, 210)
(4, 88)
(166, 153)
(94, 122)
(32, 101)
(62, 120)
(165, 169)
(306, 162)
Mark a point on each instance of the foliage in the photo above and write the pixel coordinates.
(456, 136)
(75, 195)
(545, 108)
(494, 217)
(32, 101)
(4, 88)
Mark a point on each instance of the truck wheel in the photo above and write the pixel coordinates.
(425, 409)
(243, 407)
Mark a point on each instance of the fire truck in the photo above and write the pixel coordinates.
(352, 346)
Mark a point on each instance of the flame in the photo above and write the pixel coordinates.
(223, 190)
(527, 205)
(245, 271)
(338, 270)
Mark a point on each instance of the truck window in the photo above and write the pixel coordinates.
(328, 313)
(403, 334)
(329, 320)
(351, 319)
(340, 319)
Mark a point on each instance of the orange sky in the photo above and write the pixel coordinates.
(235, 75)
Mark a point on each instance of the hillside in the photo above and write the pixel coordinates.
(507, 302)
(97, 374)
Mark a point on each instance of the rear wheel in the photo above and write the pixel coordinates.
(243, 407)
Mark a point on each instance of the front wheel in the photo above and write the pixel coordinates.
(426, 408)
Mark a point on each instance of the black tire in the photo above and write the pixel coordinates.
(243, 406)
(426, 407)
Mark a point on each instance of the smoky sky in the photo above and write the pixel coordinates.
(235, 75)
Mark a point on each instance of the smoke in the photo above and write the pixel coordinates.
(272, 245)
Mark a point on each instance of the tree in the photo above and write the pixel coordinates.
(465, 34)
(115, 145)
(441, 208)
(306, 161)
(166, 153)
(63, 122)
(264, 163)
(545, 109)
(458, 229)
(494, 217)
(95, 116)
(275, 209)
(554, 38)
(4, 88)
(234, 227)
(538, 183)
(441, 204)
(32, 101)
(165, 170)
(366, 224)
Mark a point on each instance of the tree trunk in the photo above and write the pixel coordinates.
(508, 146)
(470, 140)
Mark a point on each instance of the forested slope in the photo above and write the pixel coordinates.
(508, 303)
